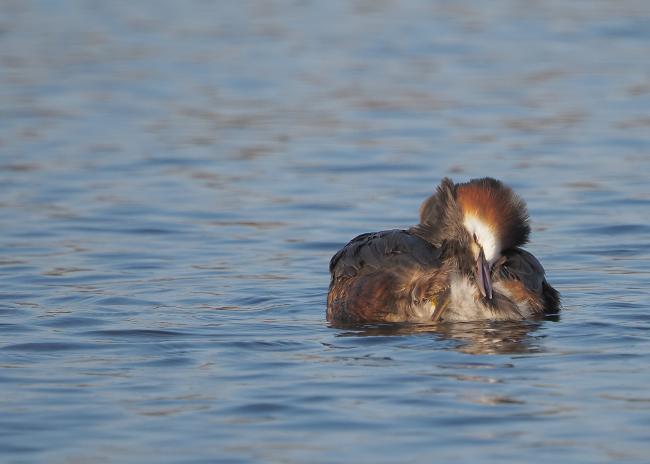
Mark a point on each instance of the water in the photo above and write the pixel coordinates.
(175, 176)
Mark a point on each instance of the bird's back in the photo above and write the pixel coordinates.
(396, 249)
(383, 277)
(395, 275)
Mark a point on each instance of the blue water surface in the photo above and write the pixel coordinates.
(174, 177)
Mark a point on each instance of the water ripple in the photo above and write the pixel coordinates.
(175, 177)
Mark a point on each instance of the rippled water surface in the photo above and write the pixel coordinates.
(174, 177)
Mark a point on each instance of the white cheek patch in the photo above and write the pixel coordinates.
(485, 236)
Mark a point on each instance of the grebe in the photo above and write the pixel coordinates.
(462, 262)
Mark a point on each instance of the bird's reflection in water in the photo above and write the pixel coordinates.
(481, 337)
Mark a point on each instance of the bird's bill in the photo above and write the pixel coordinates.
(483, 275)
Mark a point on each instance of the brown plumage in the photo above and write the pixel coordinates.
(462, 262)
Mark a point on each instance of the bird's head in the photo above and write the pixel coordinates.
(482, 217)
(495, 219)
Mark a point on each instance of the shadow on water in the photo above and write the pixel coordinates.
(481, 337)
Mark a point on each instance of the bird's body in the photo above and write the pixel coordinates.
(463, 262)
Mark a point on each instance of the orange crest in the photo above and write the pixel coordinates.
(498, 207)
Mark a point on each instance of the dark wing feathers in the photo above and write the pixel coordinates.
(381, 251)
(383, 277)
(524, 267)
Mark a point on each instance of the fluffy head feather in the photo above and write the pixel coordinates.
(490, 203)
(485, 207)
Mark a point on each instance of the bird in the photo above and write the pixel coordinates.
(463, 261)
